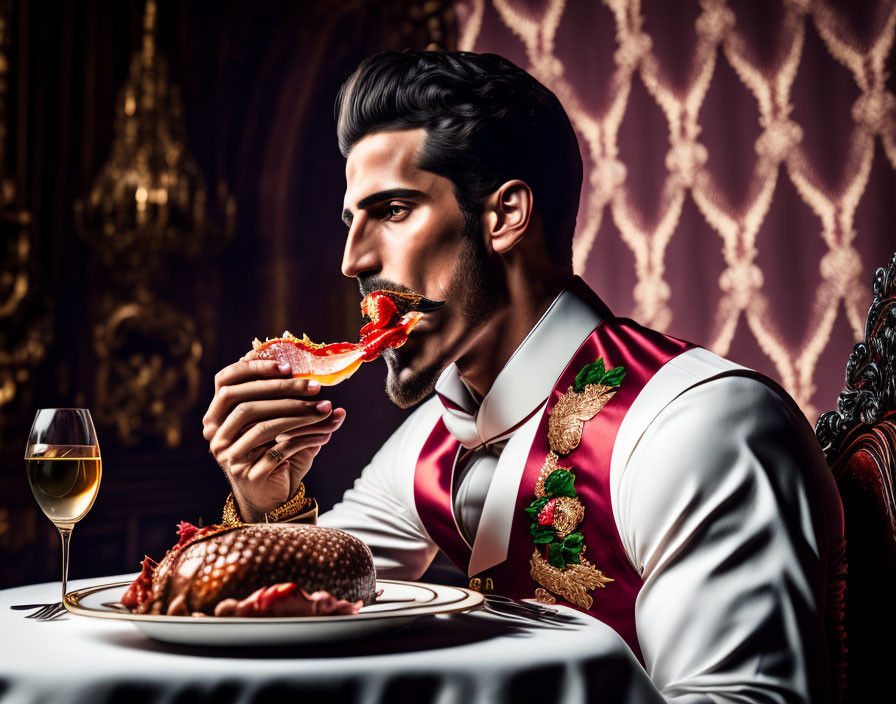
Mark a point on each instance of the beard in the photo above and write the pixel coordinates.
(471, 289)
(410, 389)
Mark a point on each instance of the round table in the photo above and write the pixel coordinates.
(470, 658)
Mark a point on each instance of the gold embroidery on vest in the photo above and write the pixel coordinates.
(543, 596)
(568, 416)
(568, 513)
(557, 513)
(550, 464)
(572, 583)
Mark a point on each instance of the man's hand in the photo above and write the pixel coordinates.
(257, 407)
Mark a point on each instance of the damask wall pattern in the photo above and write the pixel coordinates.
(740, 164)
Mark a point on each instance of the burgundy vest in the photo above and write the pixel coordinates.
(619, 342)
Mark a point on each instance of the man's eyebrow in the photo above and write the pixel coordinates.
(378, 197)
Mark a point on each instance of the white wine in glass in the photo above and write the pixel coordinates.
(63, 464)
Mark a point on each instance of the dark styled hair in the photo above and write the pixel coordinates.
(487, 121)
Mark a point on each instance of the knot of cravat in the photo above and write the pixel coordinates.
(463, 426)
(492, 448)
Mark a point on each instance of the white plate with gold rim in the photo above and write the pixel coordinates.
(399, 604)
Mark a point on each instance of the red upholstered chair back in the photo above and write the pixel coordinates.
(859, 440)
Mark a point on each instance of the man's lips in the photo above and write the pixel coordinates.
(425, 325)
(407, 301)
(426, 305)
(429, 323)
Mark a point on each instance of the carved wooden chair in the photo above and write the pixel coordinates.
(859, 441)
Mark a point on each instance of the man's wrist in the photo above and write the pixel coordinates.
(245, 511)
(298, 508)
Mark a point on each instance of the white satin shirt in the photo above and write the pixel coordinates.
(720, 492)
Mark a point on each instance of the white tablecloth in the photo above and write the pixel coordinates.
(473, 658)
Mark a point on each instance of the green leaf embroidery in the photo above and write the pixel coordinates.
(535, 507)
(596, 376)
(560, 482)
(613, 377)
(542, 534)
(571, 557)
(574, 540)
(597, 373)
(566, 551)
(572, 547)
(555, 556)
(594, 370)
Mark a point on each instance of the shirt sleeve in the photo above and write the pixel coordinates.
(379, 509)
(728, 510)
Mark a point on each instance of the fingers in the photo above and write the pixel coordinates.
(229, 397)
(260, 434)
(250, 413)
(299, 464)
(258, 406)
(332, 423)
(266, 465)
(245, 370)
(238, 372)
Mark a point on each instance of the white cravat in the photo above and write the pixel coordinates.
(473, 477)
(519, 392)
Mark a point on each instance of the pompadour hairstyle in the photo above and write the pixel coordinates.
(487, 120)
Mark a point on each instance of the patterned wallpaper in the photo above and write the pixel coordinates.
(740, 164)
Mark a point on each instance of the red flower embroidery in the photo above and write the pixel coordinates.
(546, 515)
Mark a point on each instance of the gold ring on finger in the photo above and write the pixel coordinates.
(275, 454)
(256, 453)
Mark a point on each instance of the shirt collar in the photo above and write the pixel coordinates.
(527, 379)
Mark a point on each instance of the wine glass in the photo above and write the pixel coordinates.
(62, 461)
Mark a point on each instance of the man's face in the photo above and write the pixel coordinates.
(407, 232)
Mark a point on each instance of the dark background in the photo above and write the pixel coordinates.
(258, 83)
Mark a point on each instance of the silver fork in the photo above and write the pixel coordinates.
(48, 612)
(524, 605)
(52, 616)
(505, 606)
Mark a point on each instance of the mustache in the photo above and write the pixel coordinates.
(408, 299)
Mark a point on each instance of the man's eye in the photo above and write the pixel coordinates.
(396, 212)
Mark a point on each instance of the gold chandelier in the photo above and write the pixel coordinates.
(149, 199)
(146, 209)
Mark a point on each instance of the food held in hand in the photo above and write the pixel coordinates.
(256, 570)
(330, 364)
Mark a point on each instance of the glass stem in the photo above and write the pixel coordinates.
(66, 533)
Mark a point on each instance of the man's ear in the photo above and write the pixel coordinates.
(507, 214)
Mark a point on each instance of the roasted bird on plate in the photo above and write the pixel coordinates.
(261, 569)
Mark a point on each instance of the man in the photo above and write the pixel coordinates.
(672, 494)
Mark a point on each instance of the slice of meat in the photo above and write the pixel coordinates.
(330, 364)
(287, 600)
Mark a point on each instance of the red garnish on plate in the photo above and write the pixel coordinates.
(141, 588)
(186, 531)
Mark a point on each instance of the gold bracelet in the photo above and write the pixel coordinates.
(231, 517)
(308, 514)
(290, 508)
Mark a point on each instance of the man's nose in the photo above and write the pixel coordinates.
(361, 252)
